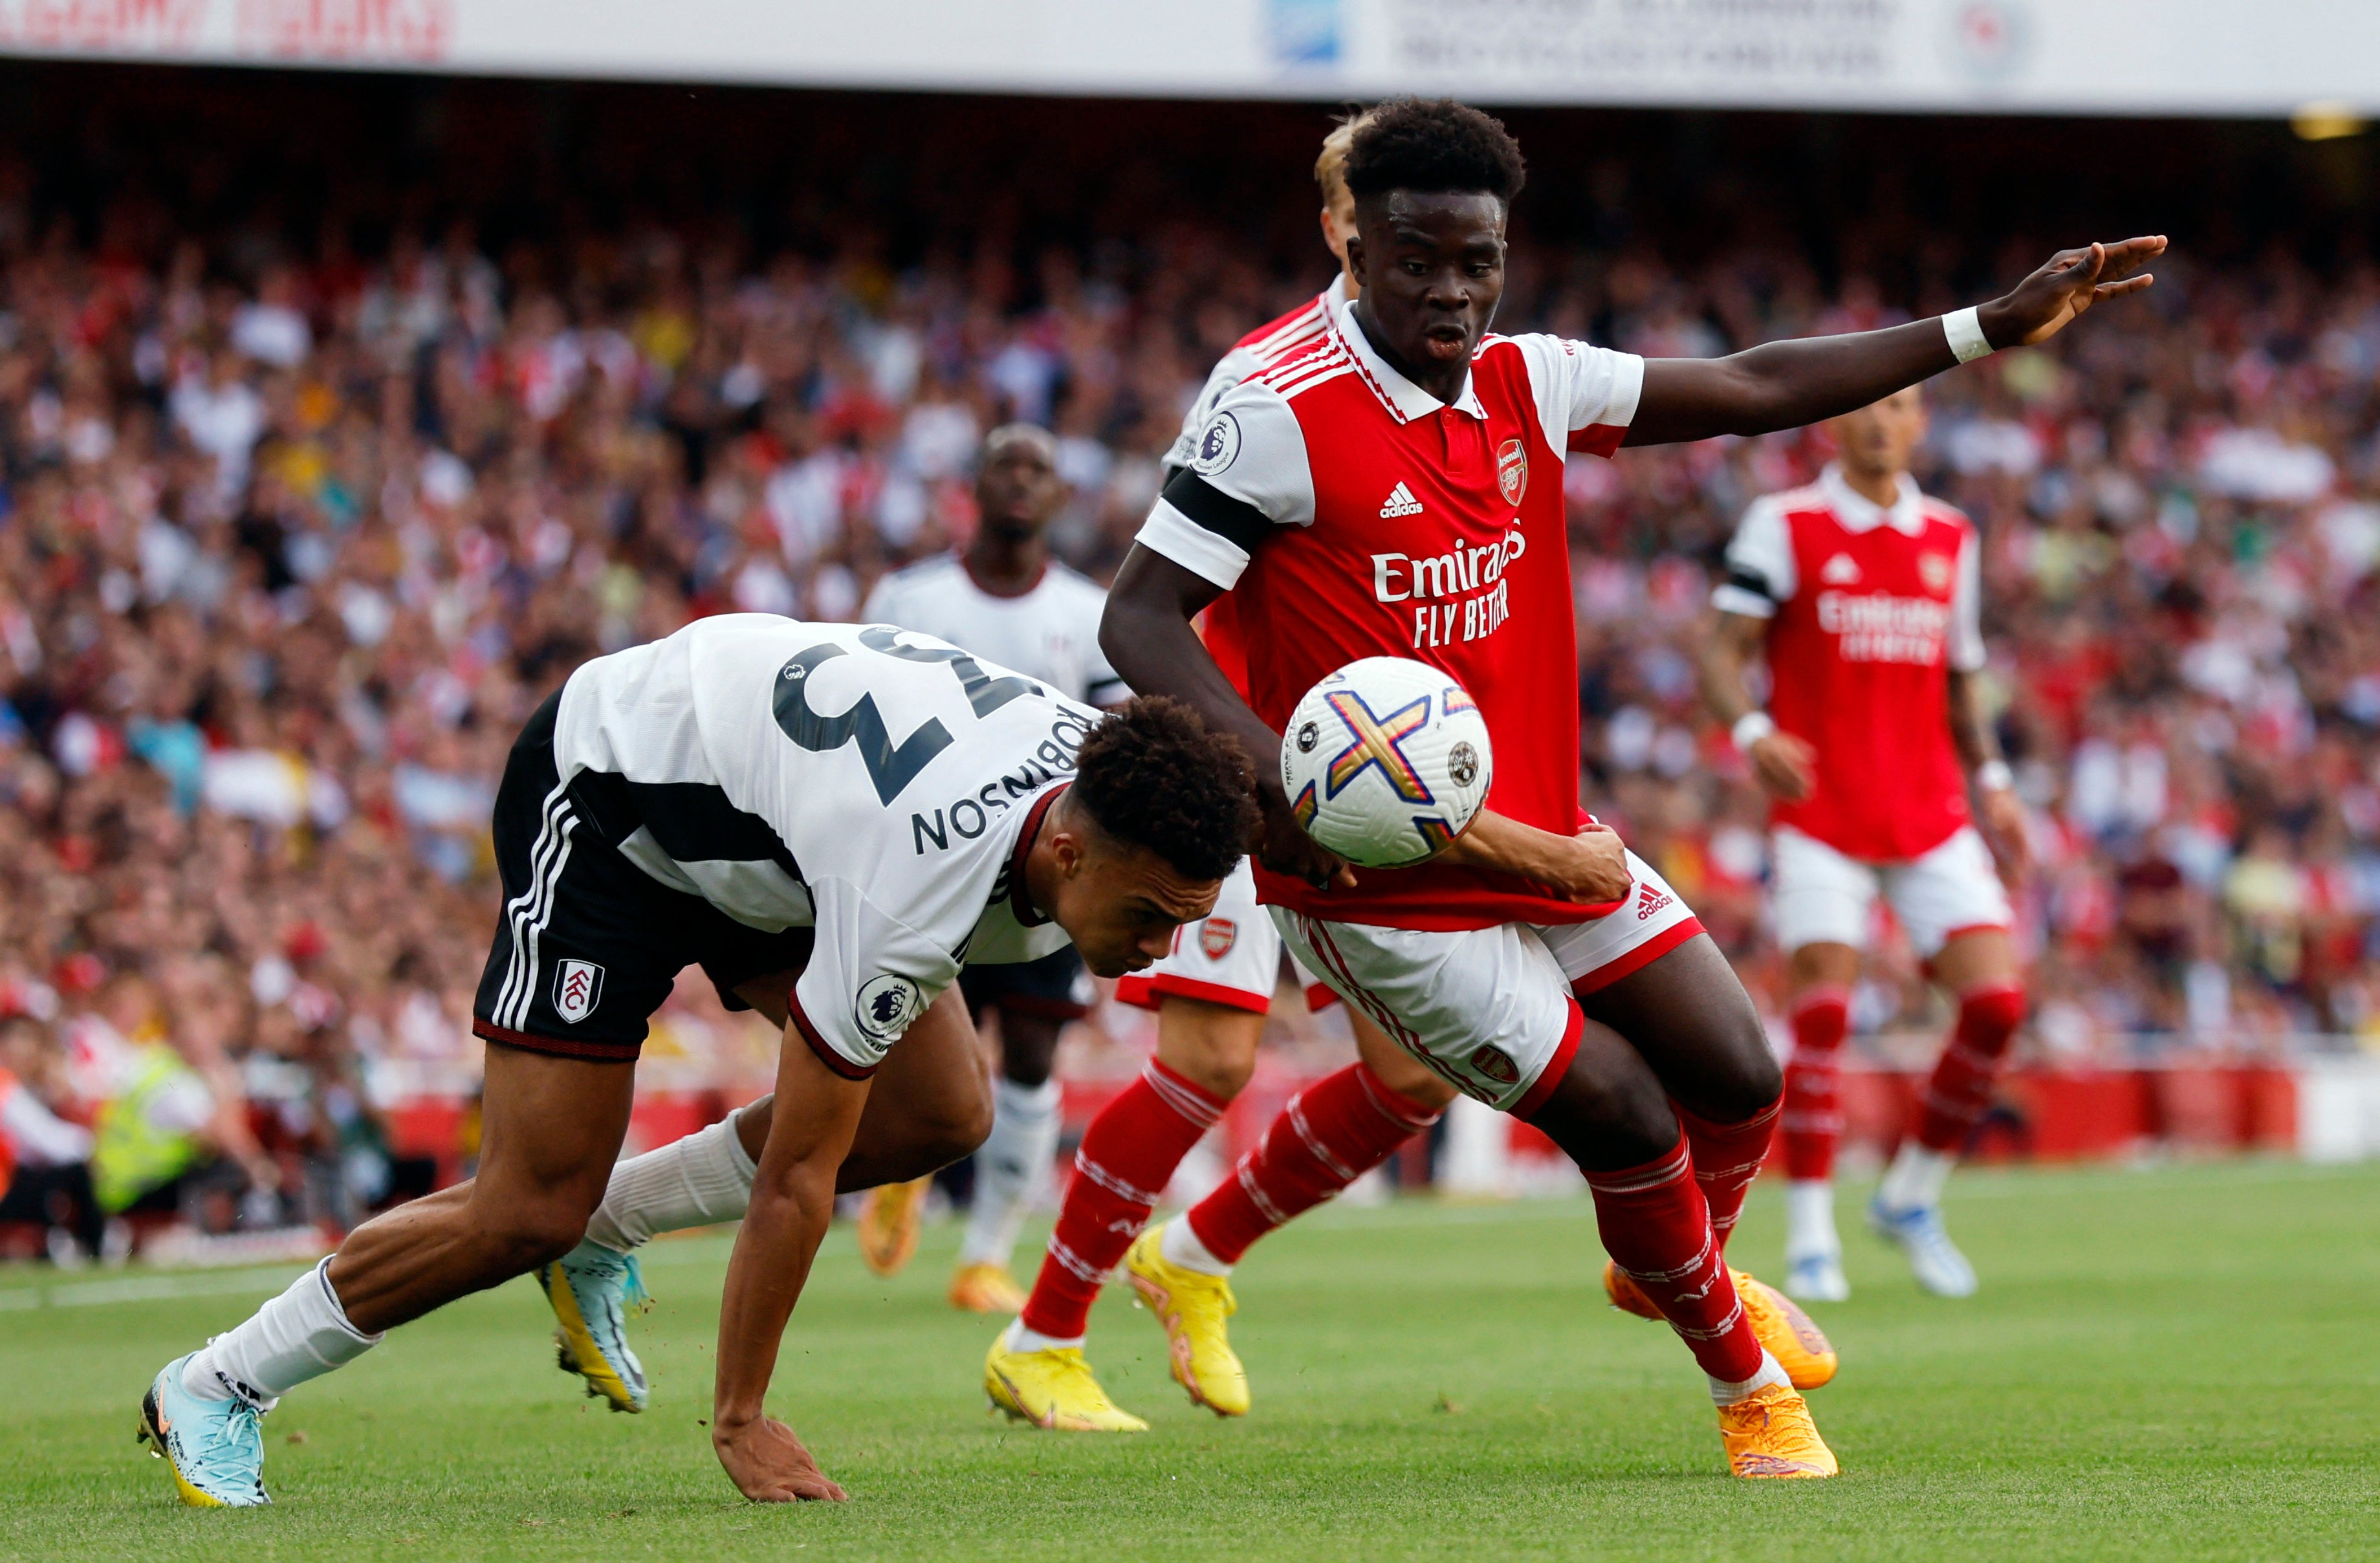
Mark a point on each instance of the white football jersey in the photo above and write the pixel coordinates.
(1051, 633)
(873, 783)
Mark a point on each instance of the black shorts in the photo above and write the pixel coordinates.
(1054, 988)
(589, 944)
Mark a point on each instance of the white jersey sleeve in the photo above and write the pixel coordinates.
(869, 976)
(1248, 475)
(1966, 649)
(1587, 396)
(1760, 569)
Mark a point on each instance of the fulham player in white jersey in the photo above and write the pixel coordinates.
(832, 820)
(1004, 598)
(1211, 995)
(1864, 596)
(1396, 492)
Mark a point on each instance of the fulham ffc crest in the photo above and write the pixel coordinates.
(578, 988)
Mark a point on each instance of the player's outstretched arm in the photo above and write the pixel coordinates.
(810, 1130)
(1787, 384)
(1148, 640)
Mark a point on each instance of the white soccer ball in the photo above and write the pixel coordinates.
(1386, 761)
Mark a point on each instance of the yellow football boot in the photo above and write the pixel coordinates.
(1053, 1390)
(1793, 1337)
(1768, 1432)
(888, 1224)
(986, 1288)
(1192, 1307)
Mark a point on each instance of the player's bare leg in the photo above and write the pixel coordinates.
(552, 1126)
(1979, 968)
(1821, 975)
(1012, 1163)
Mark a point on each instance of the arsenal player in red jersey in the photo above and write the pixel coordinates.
(1863, 593)
(1376, 497)
(1212, 994)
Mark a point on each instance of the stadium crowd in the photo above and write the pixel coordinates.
(294, 535)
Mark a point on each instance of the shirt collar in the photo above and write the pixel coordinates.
(1407, 401)
(1020, 900)
(1335, 299)
(1860, 513)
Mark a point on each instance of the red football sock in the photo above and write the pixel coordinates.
(1813, 1119)
(1727, 1156)
(1329, 1134)
(1657, 1229)
(1962, 1086)
(1128, 1154)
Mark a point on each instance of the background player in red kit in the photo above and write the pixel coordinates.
(1211, 995)
(1375, 497)
(1863, 593)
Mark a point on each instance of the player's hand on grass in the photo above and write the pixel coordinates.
(2041, 306)
(1285, 848)
(1787, 766)
(768, 1464)
(2001, 814)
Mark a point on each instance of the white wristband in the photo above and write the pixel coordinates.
(1749, 729)
(1965, 330)
(1993, 776)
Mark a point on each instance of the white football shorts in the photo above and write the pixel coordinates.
(1493, 1010)
(1822, 896)
(1231, 958)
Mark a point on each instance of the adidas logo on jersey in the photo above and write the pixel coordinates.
(1400, 503)
(1841, 570)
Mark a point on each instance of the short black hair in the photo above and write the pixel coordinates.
(1434, 144)
(1154, 774)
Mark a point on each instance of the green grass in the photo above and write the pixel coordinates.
(2178, 1363)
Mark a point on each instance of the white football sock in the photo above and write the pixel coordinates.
(1181, 1246)
(1011, 1165)
(699, 1180)
(1914, 1180)
(300, 1335)
(1020, 1338)
(1725, 1394)
(1810, 1218)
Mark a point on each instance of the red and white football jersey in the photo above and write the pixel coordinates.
(1868, 610)
(1350, 513)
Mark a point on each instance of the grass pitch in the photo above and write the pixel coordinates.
(2178, 1364)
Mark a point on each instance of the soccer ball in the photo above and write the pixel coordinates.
(1386, 761)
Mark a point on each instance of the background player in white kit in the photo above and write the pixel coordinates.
(1865, 595)
(1211, 996)
(831, 819)
(1004, 598)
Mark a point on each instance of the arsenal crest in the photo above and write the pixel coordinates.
(1497, 1065)
(1512, 470)
(1217, 935)
(578, 988)
(1934, 569)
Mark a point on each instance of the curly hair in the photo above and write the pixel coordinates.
(1433, 144)
(1154, 774)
